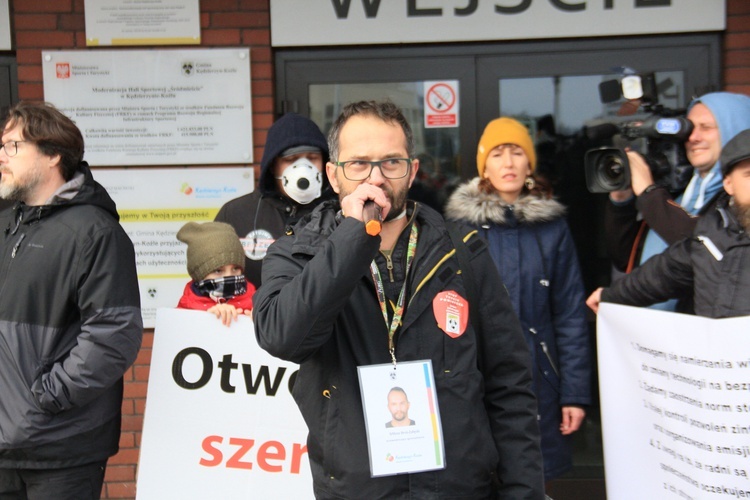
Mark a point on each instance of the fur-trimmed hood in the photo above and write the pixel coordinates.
(469, 204)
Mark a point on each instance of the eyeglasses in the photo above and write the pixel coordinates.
(390, 168)
(11, 147)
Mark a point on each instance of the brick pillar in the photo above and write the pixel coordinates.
(736, 57)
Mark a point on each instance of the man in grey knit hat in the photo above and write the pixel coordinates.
(291, 184)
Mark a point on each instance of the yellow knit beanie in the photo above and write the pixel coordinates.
(504, 131)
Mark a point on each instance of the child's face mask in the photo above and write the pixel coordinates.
(302, 181)
(223, 289)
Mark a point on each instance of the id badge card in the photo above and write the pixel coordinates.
(402, 418)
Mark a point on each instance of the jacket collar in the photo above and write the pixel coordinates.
(470, 204)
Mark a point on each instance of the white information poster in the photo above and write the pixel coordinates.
(155, 107)
(220, 419)
(675, 402)
(153, 205)
(142, 22)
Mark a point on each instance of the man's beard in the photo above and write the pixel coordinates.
(14, 192)
(398, 203)
(742, 213)
(397, 199)
(21, 186)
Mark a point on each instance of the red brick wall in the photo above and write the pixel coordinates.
(59, 25)
(736, 62)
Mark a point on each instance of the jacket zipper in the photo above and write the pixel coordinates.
(546, 353)
(17, 246)
(389, 265)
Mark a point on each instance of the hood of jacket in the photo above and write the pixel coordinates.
(470, 204)
(287, 132)
(732, 114)
(82, 189)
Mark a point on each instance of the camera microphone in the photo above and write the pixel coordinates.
(372, 218)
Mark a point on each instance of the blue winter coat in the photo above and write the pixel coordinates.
(532, 247)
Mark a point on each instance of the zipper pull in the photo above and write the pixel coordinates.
(16, 246)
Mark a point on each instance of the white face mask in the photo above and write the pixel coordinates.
(302, 181)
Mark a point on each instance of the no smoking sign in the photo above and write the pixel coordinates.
(441, 104)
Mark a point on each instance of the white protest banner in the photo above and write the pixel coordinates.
(675, 402)
(155, 107)
(153, 204)
(220, 420)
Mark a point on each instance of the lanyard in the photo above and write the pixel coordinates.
(399, 309)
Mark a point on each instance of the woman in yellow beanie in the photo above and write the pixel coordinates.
(532, 247)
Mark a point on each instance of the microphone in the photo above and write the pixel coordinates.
(372, 217)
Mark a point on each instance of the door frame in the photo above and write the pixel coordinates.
(478, 66)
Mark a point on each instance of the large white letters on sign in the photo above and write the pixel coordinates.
(675, 400)
(220, 419)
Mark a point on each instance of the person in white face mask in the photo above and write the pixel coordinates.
(290, 185)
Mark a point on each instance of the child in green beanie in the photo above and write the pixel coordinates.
(215, 262)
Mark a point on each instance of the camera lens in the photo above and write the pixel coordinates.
(606, 170)
(612, 168)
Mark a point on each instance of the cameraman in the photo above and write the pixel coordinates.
(717, 117)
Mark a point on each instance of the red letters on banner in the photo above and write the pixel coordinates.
(242, 454)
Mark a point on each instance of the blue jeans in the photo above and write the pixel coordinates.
(83, 482)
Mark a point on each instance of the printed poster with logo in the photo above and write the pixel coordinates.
(155, 107)
(153, 205)
(220, 420)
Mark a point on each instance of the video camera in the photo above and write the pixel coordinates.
(660, 138)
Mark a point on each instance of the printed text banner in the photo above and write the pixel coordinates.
(675, 401)
(220, 419)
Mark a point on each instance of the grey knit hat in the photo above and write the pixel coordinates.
(735, 151)
(211, 245)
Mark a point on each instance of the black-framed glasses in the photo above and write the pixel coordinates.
(11, 147)
(390, 168)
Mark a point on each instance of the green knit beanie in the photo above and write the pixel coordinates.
(211, 245)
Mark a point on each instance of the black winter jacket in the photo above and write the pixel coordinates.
(70, 325)
(714, 264)
(318, 307)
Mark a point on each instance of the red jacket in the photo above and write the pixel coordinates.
(191, 300)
